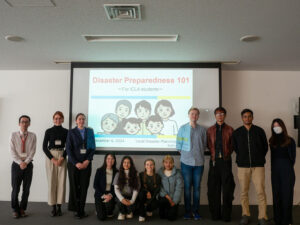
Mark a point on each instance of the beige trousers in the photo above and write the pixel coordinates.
(257, 174)
(56, 179)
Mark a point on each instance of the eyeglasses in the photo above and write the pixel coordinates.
(24, 122)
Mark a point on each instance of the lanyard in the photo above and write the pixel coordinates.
(23, 142)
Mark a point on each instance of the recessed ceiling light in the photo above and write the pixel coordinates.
(131, 38)
(250, 38)
(14, 38)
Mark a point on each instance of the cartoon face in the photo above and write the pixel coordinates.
(132, 128)
(155, 127)
(108, 125)
(122, 111)
(142, 113)
(164, 111)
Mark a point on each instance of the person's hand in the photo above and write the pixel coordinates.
(79, 166)
(85, 164)
(23, 165)
(107, 198)
(170, 200)
(126, 202)
(149, 195)
(60, 161)
(172, 203)
(54, 161)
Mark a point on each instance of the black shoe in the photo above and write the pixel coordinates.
(227, 219)
(83, 215)
(245, 220)
(16, 215)
(77, 215)
(53, 213)
(59, 213)
(262, 222)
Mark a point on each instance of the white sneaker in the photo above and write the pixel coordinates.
(121, 216)
(149, 214)
(129, 216)
(141, 219)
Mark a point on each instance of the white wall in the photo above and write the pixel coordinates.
(270, 94)
(40, 93)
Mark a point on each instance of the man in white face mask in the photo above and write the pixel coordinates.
(251, 146)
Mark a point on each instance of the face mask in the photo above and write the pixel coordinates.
(277, 130)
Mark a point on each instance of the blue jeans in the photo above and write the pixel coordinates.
(192, 176)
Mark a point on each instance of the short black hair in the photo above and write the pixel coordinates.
(246, 111)
(79, 114)
(24, 116)
(222, 109)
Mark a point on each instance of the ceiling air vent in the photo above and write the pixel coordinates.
(123, 11)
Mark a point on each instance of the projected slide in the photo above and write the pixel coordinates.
(138, 108)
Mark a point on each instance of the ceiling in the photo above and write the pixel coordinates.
(209, 31)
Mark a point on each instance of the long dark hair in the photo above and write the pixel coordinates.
(132, 179)
(104, 165)
(282, 139)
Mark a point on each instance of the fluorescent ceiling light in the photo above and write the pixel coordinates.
(30, 3)
(250, 38)
(131, 38)
(231, 62)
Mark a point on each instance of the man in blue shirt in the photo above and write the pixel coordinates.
(191, 143)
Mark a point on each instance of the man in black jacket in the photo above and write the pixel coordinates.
(251, 146)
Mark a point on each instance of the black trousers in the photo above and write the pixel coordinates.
(283, 181)
(104, 208)
(166, 211)
(17, 177)
(79, 182)
(220, 183)
(124, 209)
(146, 205)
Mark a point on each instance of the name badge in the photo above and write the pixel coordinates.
(57, 142)
(220, 155)
(23, 155)
(82, 151)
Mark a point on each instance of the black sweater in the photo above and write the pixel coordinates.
(250, 146)
(52, 134)
(100, 183)
(149, 186)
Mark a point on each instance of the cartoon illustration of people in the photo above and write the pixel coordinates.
(165, 110)
(109, 123)
(132, 125)
(143, 111)
(154, 124)
(122, 110)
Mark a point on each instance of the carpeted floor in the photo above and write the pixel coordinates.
(39, 214)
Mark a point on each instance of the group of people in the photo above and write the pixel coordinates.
(144, 192)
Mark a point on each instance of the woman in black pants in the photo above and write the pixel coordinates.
(80, 147)
(104, 190)
(283, 155)
(150, 187)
